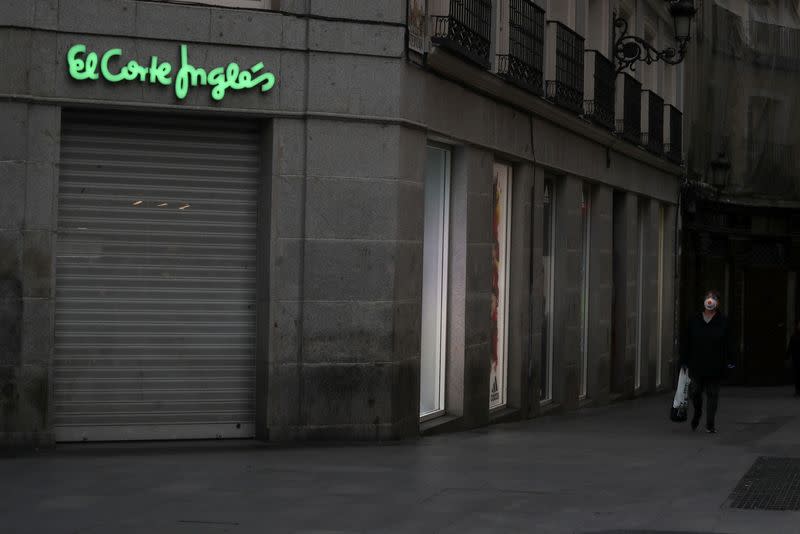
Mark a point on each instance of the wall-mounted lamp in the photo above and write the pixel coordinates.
(628, 49)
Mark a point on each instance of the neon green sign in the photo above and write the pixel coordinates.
(88, 65)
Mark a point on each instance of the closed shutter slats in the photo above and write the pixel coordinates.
(155, 305)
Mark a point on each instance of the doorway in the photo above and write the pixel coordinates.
(765, 302)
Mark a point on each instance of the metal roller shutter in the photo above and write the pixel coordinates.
(155, 277)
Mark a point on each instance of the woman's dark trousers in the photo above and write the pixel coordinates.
(711, 388)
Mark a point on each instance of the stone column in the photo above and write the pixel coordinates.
(626, 251)
(520, 349)
(601, 290)
(669, 357)
(344, 360)
(537, 291)
(650, 295)
(567, 293)
(472, 170)
(29, 155)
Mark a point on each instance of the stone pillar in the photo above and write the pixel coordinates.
(520, 349)
(283, 409)
(29, 154)
(650, 303)
(537, 291)
(601, 290)
(472, 182)
(626, 249)
(669, 357)
(567, 293)
(347, 276)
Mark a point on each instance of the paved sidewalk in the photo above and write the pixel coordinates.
(623, 468)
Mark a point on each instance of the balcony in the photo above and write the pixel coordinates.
(523, 64)
(466, 30)
(653, 122)
(599, 88)
(772, 168)
(673, 133)
(565, 70)
(775, 46)
(629, 108)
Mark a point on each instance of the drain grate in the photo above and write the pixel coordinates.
(770, 484)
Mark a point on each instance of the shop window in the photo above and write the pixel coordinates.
(434, 282)
(660, 302)
(640, 294)
(586, 221)
(548, 260)
(501, 230)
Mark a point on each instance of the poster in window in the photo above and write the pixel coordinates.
(500, 217)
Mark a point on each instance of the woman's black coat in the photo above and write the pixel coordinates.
(707, 348)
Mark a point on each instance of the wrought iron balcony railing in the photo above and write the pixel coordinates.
(523, 65)
(629, 109)
(775, 46)
(466, 30)
(600, 77)
(673, 149)
(566, 90)
(653, 137)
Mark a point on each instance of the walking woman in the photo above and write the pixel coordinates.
(707, 350)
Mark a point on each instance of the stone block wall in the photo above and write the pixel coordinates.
(567, 294)
(342, 213)
(28, 180)
(600, 293)
(348, 240)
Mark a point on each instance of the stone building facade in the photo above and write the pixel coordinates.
(426, 218)
(740, 223)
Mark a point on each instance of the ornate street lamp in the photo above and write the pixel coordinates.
(720, 170)
(628, 49)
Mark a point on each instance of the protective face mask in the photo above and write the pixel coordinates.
(710, 304)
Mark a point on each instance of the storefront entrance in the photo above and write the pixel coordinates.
(765, 327)
(155, 278)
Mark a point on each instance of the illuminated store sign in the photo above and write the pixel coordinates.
(88, 65)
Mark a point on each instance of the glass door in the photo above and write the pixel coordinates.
(434, 282)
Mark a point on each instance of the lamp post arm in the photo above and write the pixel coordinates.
(629, 49)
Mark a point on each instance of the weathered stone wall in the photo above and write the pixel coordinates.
(345, 129)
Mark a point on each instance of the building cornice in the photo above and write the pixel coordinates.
(491, 85)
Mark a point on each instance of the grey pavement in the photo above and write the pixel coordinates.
(620, 468)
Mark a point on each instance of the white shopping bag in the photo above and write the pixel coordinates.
(680, 403)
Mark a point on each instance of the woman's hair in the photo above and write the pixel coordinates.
(713, 293)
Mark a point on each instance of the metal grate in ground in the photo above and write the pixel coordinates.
(771, 484)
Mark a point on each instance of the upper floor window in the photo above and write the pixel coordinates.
(520, 43)
(464, 26)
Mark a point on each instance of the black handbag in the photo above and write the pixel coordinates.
(679, 414)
